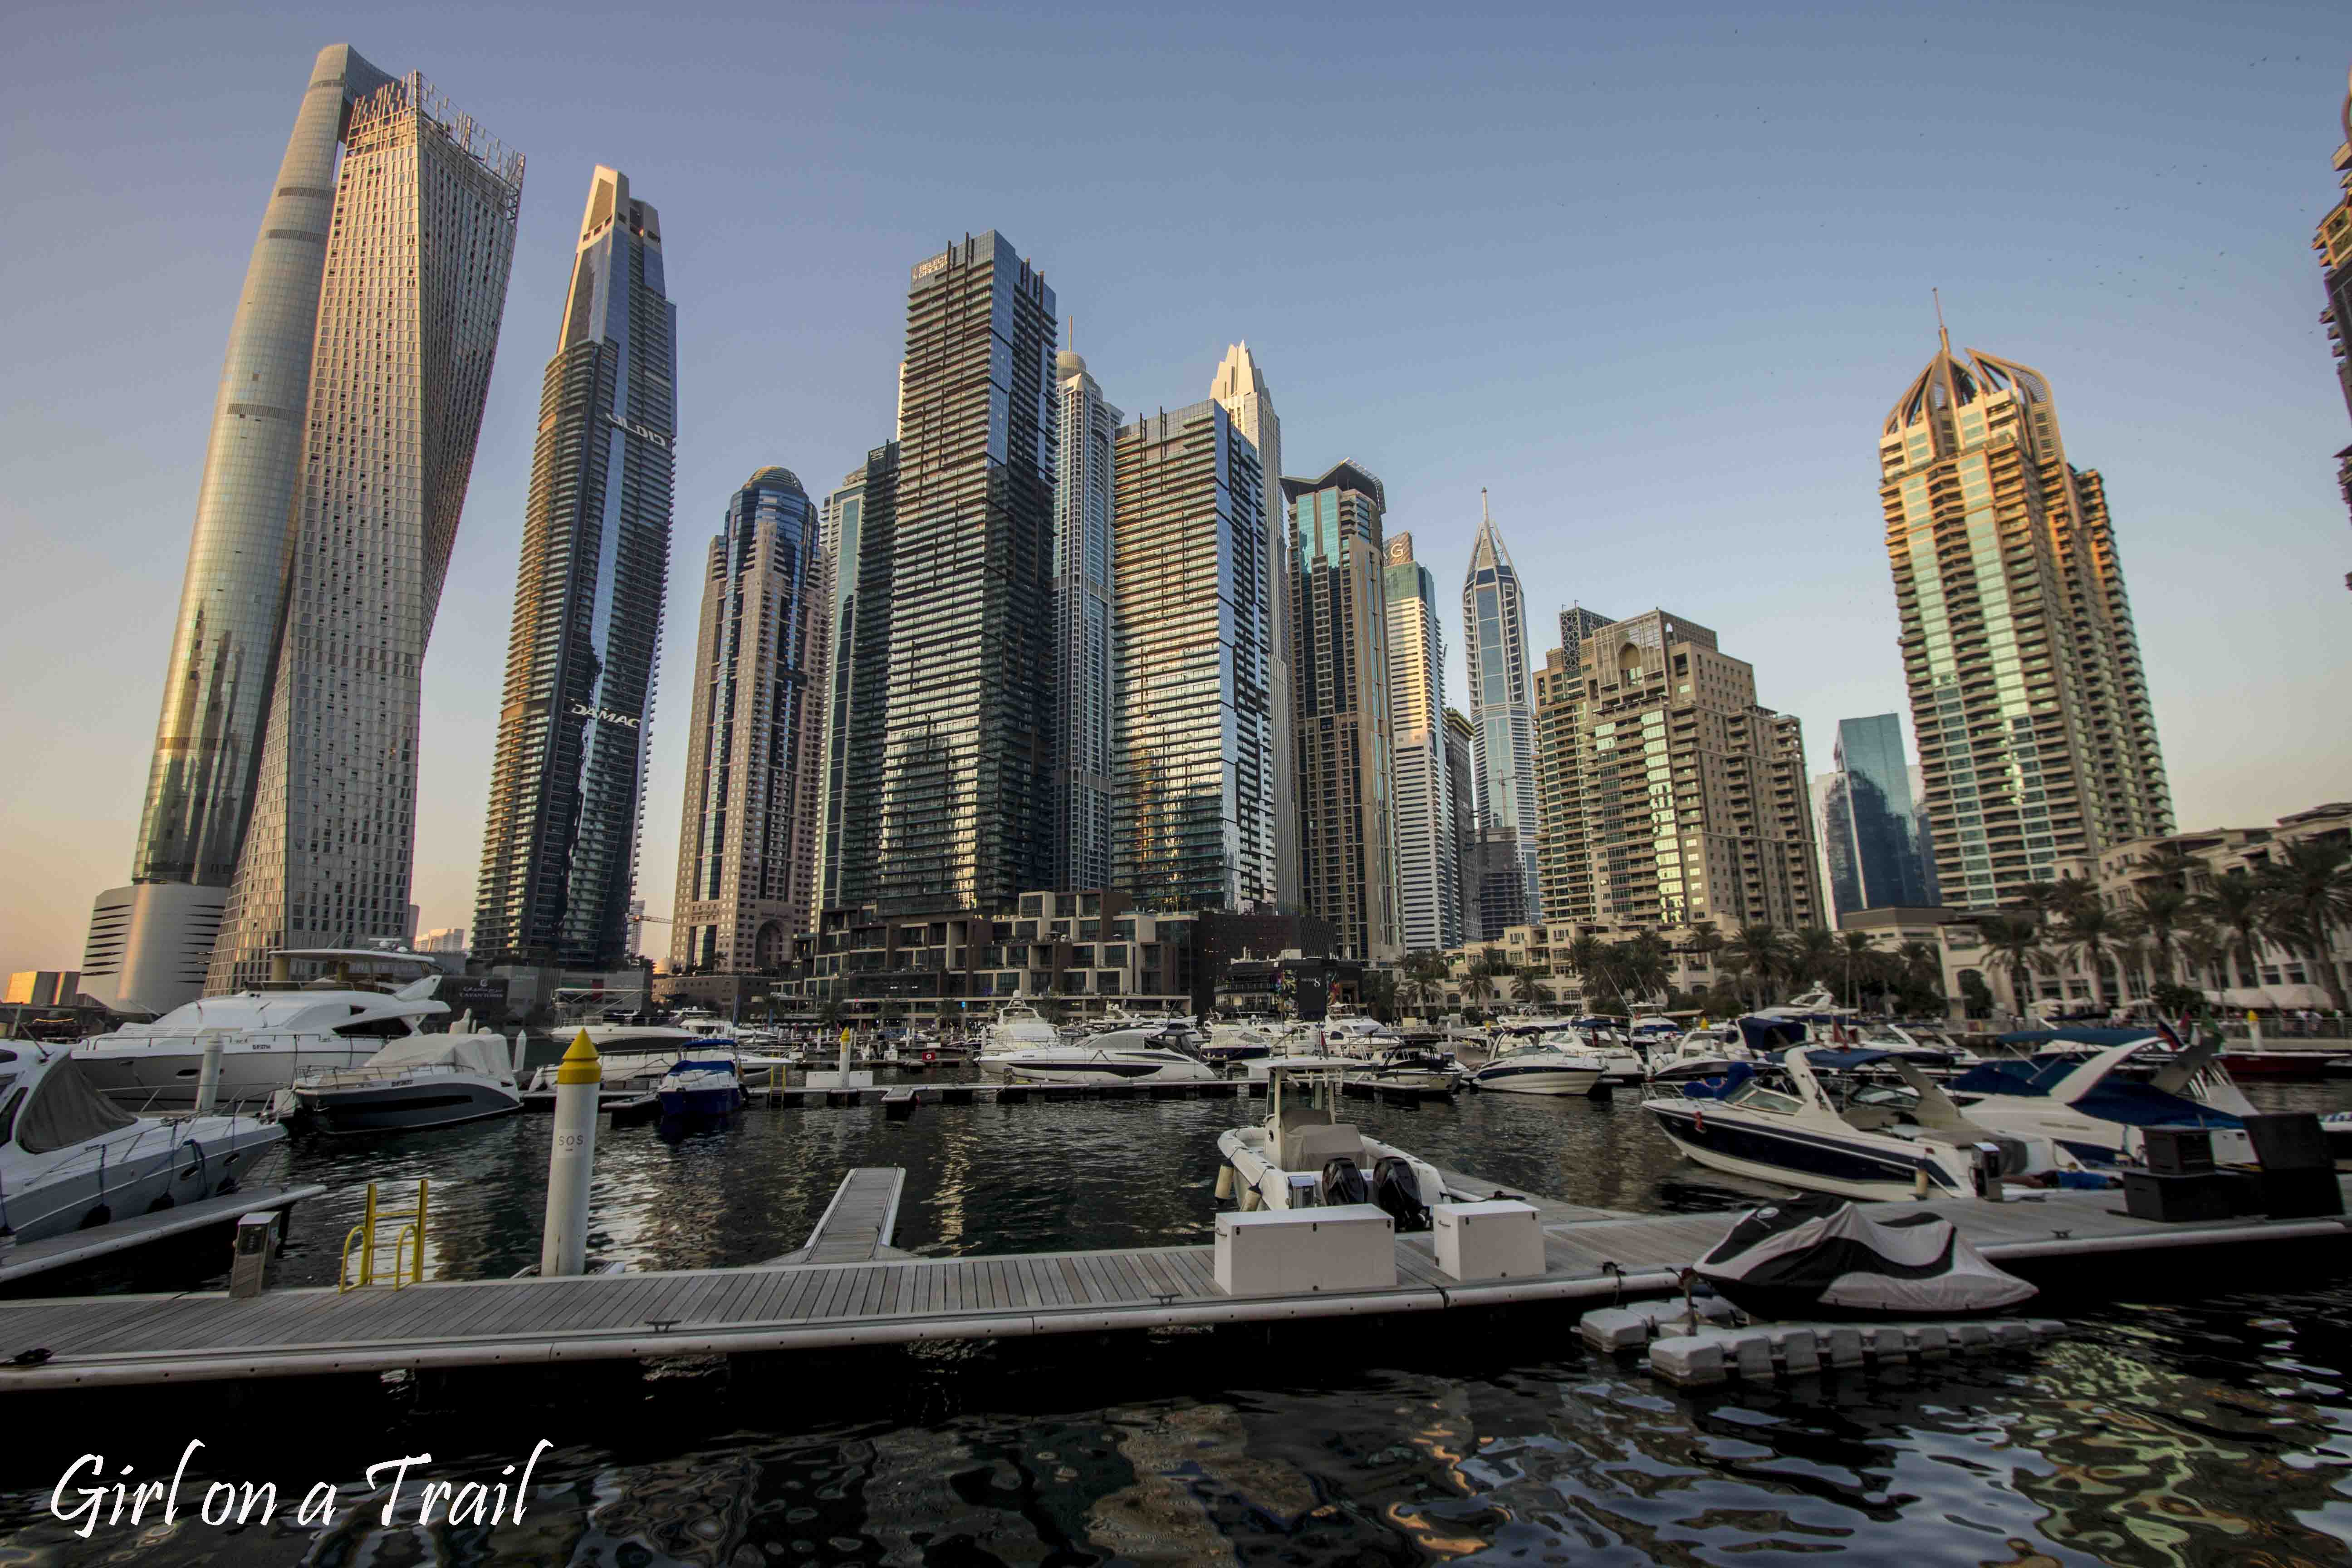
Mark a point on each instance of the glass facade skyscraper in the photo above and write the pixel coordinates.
(1877, 857)
(1241, 386)
(1086, 645)
(1192, 814)
(560, 849)
(417, 242)
(2037, 740)
(1339, 676)
(1429, 866)
(1501, 705)
(747, 839)
(860, 536)
(966, 791)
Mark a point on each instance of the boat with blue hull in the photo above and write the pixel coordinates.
(2099, 1106)
(701, 1085)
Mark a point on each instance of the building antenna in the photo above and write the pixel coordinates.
(1942, 336)
(1073, 333)
(1483, 513)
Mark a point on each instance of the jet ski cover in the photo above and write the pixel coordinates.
(1820, 1257)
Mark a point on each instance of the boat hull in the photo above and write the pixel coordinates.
(1553, 1081)
(407, 1107)
(701, 1101)
(124, 1187)
(156, 1081)
(1801, 1158)
(1103, 1071)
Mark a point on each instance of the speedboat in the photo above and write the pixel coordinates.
(1551, 1063)
(268, 1040)
(70, 1158)
(1880, 1146)
(1017, 1027)
(1166, 1054)
(1701, 1054)
(1303, 1156)
(1410, 1067)
(1229, 1043)
(2097, 1109)
(636, 1057)
(701, 1085)
(424, 1081)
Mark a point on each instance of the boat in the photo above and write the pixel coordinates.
(1303, 1156)
(1882, 1144)
(1820, 1257)
(1163, 1054)
(636, 1057)
(1414, 1067)
(268, 1038)
(72, 1158)
(424, 1081)
(2097, 1108)
(1230, 1043)
(700, 1084)
(1547, 1063)
(1703, 1053)
(1017, 1027)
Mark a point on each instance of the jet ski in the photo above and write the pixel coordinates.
(1821, 1256)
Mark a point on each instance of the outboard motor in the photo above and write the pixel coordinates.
(1398, 1191)
(1342, 1182)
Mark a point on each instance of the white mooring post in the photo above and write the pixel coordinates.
(208, 1076)
(572, 1161)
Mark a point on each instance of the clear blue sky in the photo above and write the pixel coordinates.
(1652, 274)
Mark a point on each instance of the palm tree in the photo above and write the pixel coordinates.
(1859, 955)
(1644, 962)
(2170, 865)
(1706, 943)
(2160, 910)
(1478, 983)
(2091, 931)
(1585, 956)
(1765, 952)
(1812, 956)
(1524, 988)
(2307, 893)
(2202, 952)
(2016, 945)
(2234, 903)
(1732, 965)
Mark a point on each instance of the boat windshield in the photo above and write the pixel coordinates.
(1753, 1096)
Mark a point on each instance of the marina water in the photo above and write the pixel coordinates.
(2177, 1427)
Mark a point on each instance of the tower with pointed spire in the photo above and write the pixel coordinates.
(2036, 736)
(1502, 711)
(1086, 647)
(1240, 387)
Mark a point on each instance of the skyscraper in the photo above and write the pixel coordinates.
(860, 538)
(1873, 842)
(1495, 615)
(1462, 805)
(1576, 623)
(417, 247)
(1086, 645)
(1240, 387)
(1339, 670)
(747, 840)
(1684, 799)
(1193, 819)
(2036, 736)
(2333, 242)
(1429, 867)
(966, 790)
(560, 851)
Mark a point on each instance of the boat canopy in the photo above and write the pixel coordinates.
(2031, 1077)
(472, 1053)
(1733, 1076)
(2137, 1104)
(65, 1110)
(1827, 1058)
(1764, 1032)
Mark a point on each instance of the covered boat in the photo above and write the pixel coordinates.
(701, 1085)
(424, 1081)
(1818, 1257)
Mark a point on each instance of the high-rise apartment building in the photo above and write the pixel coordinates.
(150, 943)
(416, 242)
(1086, 643)
(1339, 673)
(1463, 809)
(1877, 856)
(1429, 866)
(747, 839)
(2333, 240)
(2036, 736)
(1193, 812)
(1576, 623)
(1563, 871)
(860, 531)
(560, 849)
(965, 800)
(1495, 613)
(1240, 387)
(1684, 799)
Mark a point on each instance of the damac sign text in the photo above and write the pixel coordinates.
(606, 715)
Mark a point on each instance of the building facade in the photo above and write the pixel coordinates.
(965, 802)
(1460, 741)
(860, 534)
(560, 849)
(1086, 645)
(1876, 855)
(1500, 659)
(747, 839)
(2333, 241)
(1192, 804)
(419, 242)
(1563, 871)
(1576, 623)
(1429, 866)
(2037, 740)
(1240, 387)
(1684, 798)
(1340, 669)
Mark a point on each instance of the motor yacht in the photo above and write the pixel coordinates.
(268, 1038)
(72, 1158)
(1703, 1053)
(2097, 1109)
(1231, 1043)
(1879, 1145)
(701, 1085)
(1303, 1156)
(424, 1081)
(1415, 1066)
(1553, 1063)
(1165, 1054)
(1017, 1027)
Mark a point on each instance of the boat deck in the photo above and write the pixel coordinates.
(27, 1259)
(147, 1340)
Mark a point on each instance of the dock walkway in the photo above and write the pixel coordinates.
(857, 1224)
(26, 1260)
(147, 1340)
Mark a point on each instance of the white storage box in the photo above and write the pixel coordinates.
(1294, 1252)
(1500, 1240)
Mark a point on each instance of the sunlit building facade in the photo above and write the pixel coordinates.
(1429, 864)
(1501, 660)
(417, 241)
(2037, 739)
(1086, 643)
(567, 799)
(1240, 387)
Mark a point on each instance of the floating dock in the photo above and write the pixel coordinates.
(27, 1259)
(124, 1340)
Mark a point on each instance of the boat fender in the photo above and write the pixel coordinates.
(1698, 1120)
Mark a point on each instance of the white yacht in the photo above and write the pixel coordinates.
(2093, 1106)
(1415, 1066)
(1553, 1062)
(1303, 1156)
(268, 1040)
(1702, 1053)
(70, 1158)
(424, 1081)
(1163, 1054)
(1017, 1027)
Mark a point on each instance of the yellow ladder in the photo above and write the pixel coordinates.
(407, 1242)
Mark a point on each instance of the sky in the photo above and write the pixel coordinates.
(1652, 276)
